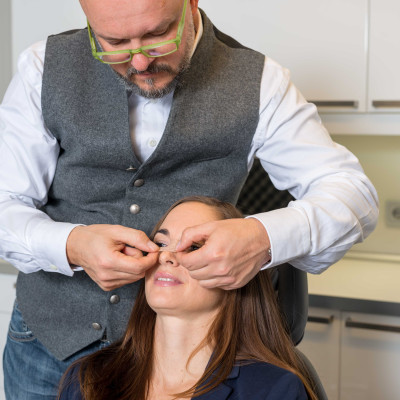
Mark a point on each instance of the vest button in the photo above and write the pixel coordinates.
(96, 326)
(131, 168)
(114, 299)
(138, 182)
(134, 209)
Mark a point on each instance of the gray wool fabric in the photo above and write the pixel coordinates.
(203, 151)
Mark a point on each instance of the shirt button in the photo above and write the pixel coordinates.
(152, 142)
(114, 299)
(134, 209)
(138, 182)
(96, 326)
(53, 267)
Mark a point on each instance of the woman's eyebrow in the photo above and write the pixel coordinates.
(163, 232)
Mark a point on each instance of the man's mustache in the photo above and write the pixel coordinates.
(152, 69)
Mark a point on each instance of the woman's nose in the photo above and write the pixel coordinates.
(140, 62)
(168, 258)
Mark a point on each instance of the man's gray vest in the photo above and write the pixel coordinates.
(203, 151)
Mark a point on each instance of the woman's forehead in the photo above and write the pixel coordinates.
(189, 214)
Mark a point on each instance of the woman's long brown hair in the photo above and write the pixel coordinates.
(249, 327)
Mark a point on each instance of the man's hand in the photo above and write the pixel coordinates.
(234, 251)
(111, 254)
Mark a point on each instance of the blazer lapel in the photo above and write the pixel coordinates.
(223, 391)
(220, 393)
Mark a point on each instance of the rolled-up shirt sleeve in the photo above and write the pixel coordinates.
(336, 205)
(29, 239)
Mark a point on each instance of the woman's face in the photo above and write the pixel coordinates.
(169, 288)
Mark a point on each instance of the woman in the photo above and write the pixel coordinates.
(186, 341)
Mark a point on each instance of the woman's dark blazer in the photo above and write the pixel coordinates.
(255, 381)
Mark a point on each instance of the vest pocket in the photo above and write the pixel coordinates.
(211, 157)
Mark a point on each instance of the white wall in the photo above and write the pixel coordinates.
(34, 20)
(24, 22)
(5, 46)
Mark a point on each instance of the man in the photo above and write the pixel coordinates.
(98, 141)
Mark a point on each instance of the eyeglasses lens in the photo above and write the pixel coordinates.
(156, 51)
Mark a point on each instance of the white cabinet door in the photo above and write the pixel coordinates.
(322, 42)
(321, 345)
(370, 352)
(384, 56)
(5, 46)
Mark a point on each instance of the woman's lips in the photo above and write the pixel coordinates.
(166, 279)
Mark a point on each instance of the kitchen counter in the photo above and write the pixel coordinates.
(367, 276)
(355, 305)
(360, 282)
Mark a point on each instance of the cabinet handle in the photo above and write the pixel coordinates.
(320, 320)
(376, 327)
(335, 103)
(386, 103)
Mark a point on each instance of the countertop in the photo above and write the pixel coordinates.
(360, 282)
(360, 275)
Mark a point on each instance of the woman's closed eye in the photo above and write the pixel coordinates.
(160, 244)
(193, 247)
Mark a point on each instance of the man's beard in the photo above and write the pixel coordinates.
(178, 73)
(153, 92)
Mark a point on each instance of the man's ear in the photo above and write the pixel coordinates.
(194, 4)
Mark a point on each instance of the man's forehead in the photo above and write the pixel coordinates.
(132, 7)
(109, 16)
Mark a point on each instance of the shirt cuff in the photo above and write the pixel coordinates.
(289, 234)
(49, 244)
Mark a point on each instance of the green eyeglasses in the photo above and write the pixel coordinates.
(160, 49)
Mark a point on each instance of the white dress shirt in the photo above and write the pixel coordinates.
(337, 205)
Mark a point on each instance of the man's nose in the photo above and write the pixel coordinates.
(140, 62)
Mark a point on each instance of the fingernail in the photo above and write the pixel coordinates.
(152, 246)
